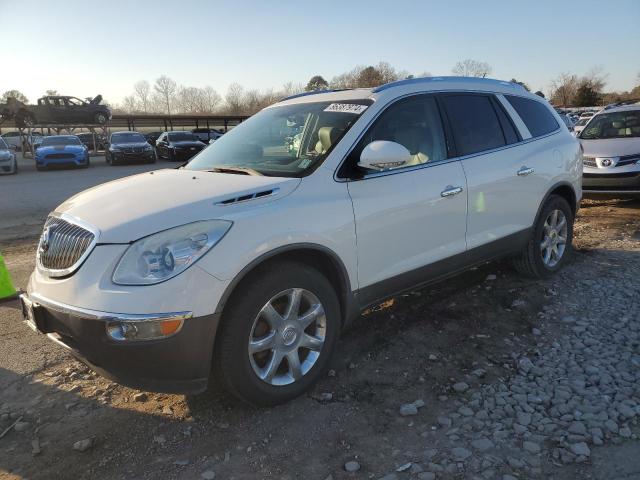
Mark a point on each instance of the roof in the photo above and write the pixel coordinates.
(621, 108)
(410, 85)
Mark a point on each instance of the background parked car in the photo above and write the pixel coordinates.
(61, 150)
(580, 124)
(13, 139)
(152, 137)
(125, 147)
(207, 135)
(58, 109)
(567, 121)
(178, 145)
(8, 160)
(22, 142)
(88, 140)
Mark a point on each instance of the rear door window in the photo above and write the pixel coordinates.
(535, 115)
(474, 123)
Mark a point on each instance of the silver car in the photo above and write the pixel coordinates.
(8, 161)
(611, 144)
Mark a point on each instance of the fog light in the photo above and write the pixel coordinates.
(137, 330)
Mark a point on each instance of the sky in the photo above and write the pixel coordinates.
(83, 48)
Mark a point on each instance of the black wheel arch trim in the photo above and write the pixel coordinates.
(551, 191)
(349, 305)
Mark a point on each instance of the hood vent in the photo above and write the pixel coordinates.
(249, 196)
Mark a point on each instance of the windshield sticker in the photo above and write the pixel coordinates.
(305, 163)
(346, 108)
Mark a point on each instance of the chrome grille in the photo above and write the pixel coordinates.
(63, 246)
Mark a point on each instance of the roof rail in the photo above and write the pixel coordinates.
(631, 101)
(413, 81)
(304, 94)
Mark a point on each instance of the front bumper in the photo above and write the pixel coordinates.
(176, 364)
(76, 161)
(185, 153)
(133, 156)
(623, 183)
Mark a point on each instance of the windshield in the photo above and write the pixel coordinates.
(54, 141)
(127, 138)
(286, 141)
(625, 124)
(183, 137)
(583, 121)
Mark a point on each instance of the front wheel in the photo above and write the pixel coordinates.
(277, 334)
(100, 118)
(550, 245)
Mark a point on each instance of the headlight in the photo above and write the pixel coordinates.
(165, 254)
(148, 148)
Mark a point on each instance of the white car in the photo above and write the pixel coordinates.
(8, 160)
(580, 124)
(256, 255)
(611, 143)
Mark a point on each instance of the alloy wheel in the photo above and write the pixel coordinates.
(287, 337)
(554, 238)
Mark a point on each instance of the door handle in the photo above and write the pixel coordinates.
(524, 171)
(450, 191)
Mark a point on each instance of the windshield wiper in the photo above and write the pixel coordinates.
(236, 170)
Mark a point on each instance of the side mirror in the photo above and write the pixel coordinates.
(383, 155)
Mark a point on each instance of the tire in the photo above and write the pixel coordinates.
(15, 168)
(100, 118)
(237, 371)
(532, 260)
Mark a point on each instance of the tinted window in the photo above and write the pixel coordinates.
(535, 115)
(474, 122)
(414, 123)
(508, 129)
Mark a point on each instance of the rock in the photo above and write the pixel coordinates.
(167, 410)
(208, 475)
(444, 421)
(491, 277)
(21, 426)
(427, 476)
(83, 445)
(181, 463)
(460, 454)
(408, 409)
(531, 447)
(351, 466)
(433, 357)
(404, 468)
(577, 428)
(479, 372)
(465, 411)
(460, 387)
(580, 448)
(140, 397)
(523, 418)
(625, 432)
(326, 397)
(611, 426)
(482, 444)
(536, 332)
(506, 476)
(419, 403)
(35, 447)
(525, 365)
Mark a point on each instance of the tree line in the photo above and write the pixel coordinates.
(166, 96)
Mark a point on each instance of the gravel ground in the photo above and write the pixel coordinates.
(488, 375)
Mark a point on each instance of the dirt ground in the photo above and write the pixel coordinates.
(413, 347)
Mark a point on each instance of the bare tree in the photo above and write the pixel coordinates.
(18, 95)
(234, 99)
(130, 104)
(165, 89)
(211, 99)
(142, 90)
(564, 88)
(595, 78)
(472, 68)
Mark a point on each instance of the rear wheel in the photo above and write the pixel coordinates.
(100, 118)
(277, 334)
(550, 245)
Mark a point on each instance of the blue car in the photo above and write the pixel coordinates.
(62, 150)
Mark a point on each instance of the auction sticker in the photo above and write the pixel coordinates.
(346, 108)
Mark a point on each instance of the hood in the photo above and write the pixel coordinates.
(60, 149)
(130, 145)
(611, 147)
(188, 143)
(130, 208)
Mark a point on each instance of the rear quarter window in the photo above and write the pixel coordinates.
(535, 115)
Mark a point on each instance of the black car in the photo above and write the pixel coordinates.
(124, 147)
(67, 110)
(88, 140)
(179, 146)
(207, 135)
(152, 137)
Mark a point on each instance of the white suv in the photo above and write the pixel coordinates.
(252, 258)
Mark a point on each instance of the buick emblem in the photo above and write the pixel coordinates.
(45, 239)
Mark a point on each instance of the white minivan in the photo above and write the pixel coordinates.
(250, 260)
